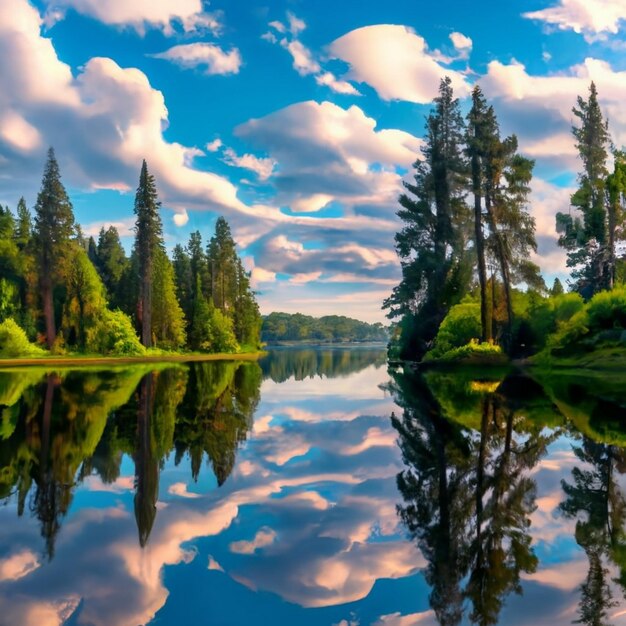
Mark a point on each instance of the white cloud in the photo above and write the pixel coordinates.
(462, 44)
(303, 61)
(140, 14)
(181, 218)
(212, 58)
(593, 18)
(338, 86)
(395, 61)
(262, 167)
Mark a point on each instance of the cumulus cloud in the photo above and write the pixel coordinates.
(538, 107)
(102, 122)
(462, 44)
(140, 14)
(396, 62)
(209, 56)
(595, 19)
(326, 152)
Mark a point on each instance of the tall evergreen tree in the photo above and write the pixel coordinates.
(221, 254)
(585, 237)
(432, 242)
(24, 227)
(148, 238)
(111, 263)
(54, 227)
(184, 282)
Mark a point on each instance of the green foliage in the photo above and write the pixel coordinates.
(221, 333)
(460, 327)
(607, 310)
(14, 342)
(432, 244)
(168, 320)
(114, 335)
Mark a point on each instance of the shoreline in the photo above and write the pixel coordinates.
(78, 361)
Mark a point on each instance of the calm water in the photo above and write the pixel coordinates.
(311, 488)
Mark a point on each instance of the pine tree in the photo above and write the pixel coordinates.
(148, 238)
(476, 139)
(184, 283)
(247, 318)
(432, 243)
(112, 263)
(24, 227)
(221, 254)
(54, 227)
(168, 319)
(585, 237)
(557, 288)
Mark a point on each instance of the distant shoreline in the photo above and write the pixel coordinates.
(322, 344)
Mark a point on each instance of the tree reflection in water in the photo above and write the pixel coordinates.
(469, 447)
(58, 429)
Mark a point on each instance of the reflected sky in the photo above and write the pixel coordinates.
(283, 493)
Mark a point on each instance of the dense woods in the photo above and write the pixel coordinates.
(330, 328)
(79, 295)
(468, 282)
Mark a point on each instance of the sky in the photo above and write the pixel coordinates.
(297, 121)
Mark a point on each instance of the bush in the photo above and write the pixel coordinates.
(114, 334)
(460, 326)
(472, 349)
(607, 310)
(14, 342)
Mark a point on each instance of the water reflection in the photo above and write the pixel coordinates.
(471, 445)
(204, 492)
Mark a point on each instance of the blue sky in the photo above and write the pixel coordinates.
(295, 120)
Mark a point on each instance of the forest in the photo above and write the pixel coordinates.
(64, 293)
(285, 327)
(469, 288)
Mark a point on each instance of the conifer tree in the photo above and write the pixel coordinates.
(148, 238)
(54, 227)
(184, 283)
(585, 237)
(221, 256)
(24, 226)
(432, 243)
(557, 288)
(111, 263)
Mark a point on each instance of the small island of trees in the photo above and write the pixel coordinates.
(63, 293)
(469, 289)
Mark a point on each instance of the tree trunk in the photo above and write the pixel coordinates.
(48, 307)
(146, 305)
(485, 322)
(504, 271)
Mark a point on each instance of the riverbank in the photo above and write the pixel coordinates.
(87, 361)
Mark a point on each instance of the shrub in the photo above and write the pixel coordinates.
(607, 310)
(460, 326)
(14, 342)
(472, 349)
(114, 334)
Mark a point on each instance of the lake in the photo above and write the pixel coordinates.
(313, 488)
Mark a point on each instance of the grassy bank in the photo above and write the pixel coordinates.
(95, 360)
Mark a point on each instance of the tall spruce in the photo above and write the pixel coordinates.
(584, 236)
(54, 227)
(221, 254)
(24, 226)
(111, 263)
(432, 244)
(148, 237)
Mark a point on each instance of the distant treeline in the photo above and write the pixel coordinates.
(330, 328)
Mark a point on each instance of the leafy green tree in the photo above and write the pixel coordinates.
(148, 239)
(585, 237)
(432, 243)
(54, 227)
